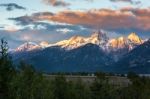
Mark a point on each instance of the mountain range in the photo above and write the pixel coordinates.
(97, 52)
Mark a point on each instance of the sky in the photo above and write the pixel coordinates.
(55, 20)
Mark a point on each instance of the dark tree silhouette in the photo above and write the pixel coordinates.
(6, 70)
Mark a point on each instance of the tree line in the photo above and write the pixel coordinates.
(24, 82)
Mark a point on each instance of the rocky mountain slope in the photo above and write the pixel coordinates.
(94, 53)
(137, 60)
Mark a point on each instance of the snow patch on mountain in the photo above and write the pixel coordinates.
(99, 38)
(44, 44)
(129, 42)
(28, 46)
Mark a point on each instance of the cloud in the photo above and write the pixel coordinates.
(89, 0)
(64, 30)
(60, 3)
(128, 1)
(126, 18)
(25, 20)
(11, 28)
(12, 6)
(52, 32)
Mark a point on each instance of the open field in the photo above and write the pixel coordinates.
(114, 80)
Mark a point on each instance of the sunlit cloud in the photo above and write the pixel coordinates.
(125, 18)
(11, 28)
(55, 20)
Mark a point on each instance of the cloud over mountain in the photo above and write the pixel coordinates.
(125, 18)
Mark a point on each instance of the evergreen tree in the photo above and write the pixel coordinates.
(29, 84)
(60, 87)
(6, 70)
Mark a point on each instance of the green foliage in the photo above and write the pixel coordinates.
(6, 70)
(101, 89)
(132, 75)
(28, 84)
(60, 88)
(80, 90)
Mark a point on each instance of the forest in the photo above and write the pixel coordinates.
(24, 82)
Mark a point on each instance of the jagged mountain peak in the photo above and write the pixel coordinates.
(100, 35)
(148, 40)
(96, 34)
(129, 42)
(121, 38)
(98, 38)
(27, 46)
(76, 39)
(117, 43)
(133, 37)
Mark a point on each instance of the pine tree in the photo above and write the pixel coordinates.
(6, 70)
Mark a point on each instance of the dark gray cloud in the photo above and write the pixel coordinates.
(129, 1)
(12, 6)
(25, 20)
(56, 3)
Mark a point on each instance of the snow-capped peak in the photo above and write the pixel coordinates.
(101, 39)
(117, 43)
(98, 38)
(76, 39)
(44, 44)
(129, 42)
(134, 38)
(72, 43)
(28, 46)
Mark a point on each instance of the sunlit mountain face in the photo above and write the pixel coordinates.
(93, 33)
(96, 52)
(98, 38)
